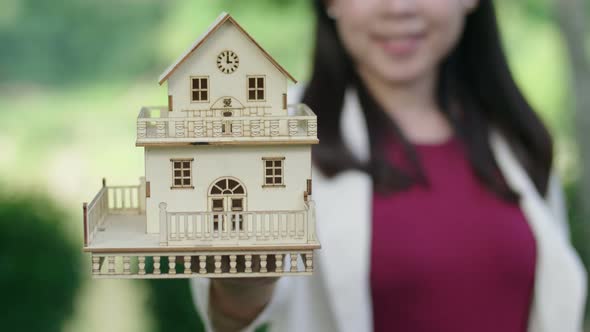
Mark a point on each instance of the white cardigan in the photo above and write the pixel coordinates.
(337, 296)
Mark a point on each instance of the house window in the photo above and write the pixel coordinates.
(200, 89)
(273, 172)
(256, 88)
(182, 173)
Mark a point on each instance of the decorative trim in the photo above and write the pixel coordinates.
(274, 186)
(228, 142)
(204, 248)
(182, 159)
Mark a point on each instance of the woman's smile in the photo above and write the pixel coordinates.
(400, 45)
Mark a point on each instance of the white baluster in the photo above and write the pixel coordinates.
(217, 259)
(294, 262)
(171, 264)
(141, 265)
(157, 265)
(248, 263)
(187, 265)
(126, 265)
(263, 264)
(279, 263)
(308, 262)
(95, 265)
(111, 262)
(232, 264)
(203, 264)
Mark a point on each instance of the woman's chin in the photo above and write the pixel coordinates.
(399, 77)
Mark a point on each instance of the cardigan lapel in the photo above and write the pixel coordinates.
(344, 227)
(560, 278)
(343, 212)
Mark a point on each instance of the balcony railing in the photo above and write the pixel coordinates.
(111, 200)
(155, 126)
(238, 228)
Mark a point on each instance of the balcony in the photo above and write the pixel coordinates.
(211, 244)
(154, 126)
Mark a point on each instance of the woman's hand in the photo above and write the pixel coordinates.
(234, 303)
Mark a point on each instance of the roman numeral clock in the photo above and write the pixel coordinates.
(228, 61)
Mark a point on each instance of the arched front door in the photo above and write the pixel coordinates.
(227, 195)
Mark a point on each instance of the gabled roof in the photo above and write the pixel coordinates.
(221, 19)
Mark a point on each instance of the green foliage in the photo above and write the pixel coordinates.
(39, 265)
(69, 41)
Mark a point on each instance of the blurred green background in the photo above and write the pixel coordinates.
(73, 76)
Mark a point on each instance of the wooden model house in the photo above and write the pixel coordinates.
(227, 186)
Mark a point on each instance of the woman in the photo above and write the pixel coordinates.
(438, 208)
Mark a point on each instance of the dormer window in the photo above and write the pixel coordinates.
(199, 89)
(256, 85)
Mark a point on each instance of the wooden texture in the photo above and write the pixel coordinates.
(238, 216)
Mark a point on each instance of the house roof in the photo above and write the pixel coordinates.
(219, 21)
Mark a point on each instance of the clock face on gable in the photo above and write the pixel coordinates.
(227, 61)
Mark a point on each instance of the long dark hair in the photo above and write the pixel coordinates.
(476, 92)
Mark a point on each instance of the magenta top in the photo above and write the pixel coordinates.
(451, 258)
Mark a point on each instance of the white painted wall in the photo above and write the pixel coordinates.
(213, 162)
(203, 62)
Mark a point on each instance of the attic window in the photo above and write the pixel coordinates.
(256, 86)
(200, 89)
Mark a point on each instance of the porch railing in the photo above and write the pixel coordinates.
(247, 227)
(154, 124)
(112, 200)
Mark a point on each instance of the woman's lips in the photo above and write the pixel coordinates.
(400, 46)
